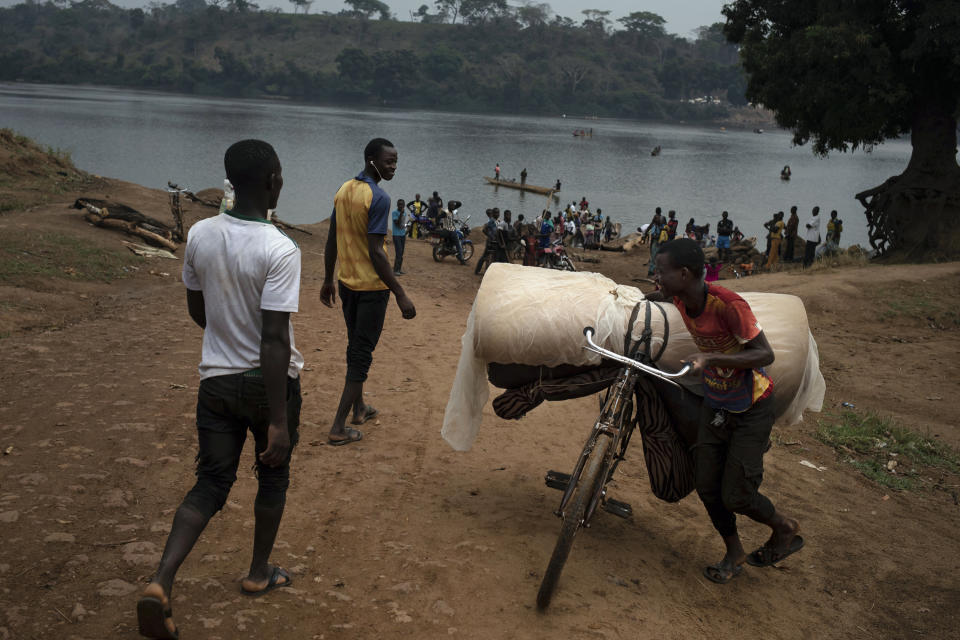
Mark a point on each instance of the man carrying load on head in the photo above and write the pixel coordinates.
(737, 411)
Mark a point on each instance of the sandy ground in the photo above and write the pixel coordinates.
(398, 536)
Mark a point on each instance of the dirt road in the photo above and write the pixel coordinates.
(398, 536)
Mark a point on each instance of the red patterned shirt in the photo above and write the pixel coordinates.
(725, 325)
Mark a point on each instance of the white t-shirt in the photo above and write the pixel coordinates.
(242, 265)
(813, 229)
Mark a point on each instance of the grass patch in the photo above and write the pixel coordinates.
(928, 305)
(870, 443)
(57, 255)
(30, 173)
(12, 205)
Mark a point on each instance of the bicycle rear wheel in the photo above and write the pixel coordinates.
(593, 474)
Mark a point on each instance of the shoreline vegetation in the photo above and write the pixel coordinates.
(500, 61)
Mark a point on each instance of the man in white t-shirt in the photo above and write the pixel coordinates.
(242, 276)
(812, 236)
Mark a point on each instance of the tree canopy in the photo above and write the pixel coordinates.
(366, 8)
(644, 23)
(846, 75)
(495, 58)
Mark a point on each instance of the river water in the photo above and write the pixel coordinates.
(150, 138)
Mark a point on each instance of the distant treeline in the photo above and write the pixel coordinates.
(507, 60)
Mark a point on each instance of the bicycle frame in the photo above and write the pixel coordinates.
(609, 423)
(612, 422)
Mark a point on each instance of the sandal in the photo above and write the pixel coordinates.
(766, 556)
(153, 612)
(273, 583)
(716, 573)
(351, 435)
(369, 413)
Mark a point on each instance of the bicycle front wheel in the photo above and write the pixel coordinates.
(590, 481)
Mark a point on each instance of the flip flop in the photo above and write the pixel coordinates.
(765, 556)
(716, 573)
(272, 584)
(353, 435)
(152, 616)
(368, 414)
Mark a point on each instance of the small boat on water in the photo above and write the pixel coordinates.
(511, 184)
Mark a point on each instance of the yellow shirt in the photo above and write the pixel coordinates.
(777, 230)
(361, 208)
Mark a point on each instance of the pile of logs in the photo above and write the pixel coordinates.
(119, 216)
(115, 215)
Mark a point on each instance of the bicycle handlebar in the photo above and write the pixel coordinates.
(668, 377)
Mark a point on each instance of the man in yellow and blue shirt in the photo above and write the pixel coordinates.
(358, 237)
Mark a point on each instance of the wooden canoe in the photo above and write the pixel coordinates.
(545, 191)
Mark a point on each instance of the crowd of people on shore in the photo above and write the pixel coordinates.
(506, 239)
(782, 238)
(527, 240)
(577, 225)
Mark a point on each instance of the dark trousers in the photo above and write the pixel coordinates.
(788, 249)
(227, 407)
(729, 465)
(809, 253)
(364, 312)
(491, 253)
(399, 242)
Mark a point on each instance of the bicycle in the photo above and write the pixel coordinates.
(584, 490)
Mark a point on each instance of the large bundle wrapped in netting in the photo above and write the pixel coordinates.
(533, 316)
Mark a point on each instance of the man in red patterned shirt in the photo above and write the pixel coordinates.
(737, 411)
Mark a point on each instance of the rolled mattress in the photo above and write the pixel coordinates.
(528, 315)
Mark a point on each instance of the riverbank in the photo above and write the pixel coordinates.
(398, 536)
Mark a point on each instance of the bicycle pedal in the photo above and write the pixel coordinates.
(557, 480)
(617, 508)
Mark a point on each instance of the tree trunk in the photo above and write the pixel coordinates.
(916, 216)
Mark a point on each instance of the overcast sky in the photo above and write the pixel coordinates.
(682, 16)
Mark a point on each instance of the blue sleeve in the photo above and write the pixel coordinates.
(379, 214)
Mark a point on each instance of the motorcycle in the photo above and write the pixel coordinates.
(444, 241)
(555, 257)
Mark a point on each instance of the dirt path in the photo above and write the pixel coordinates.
(400, 537)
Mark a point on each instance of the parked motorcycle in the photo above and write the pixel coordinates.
(555, 257)
(445, 241)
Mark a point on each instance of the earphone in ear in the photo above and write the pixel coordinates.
(376, 169)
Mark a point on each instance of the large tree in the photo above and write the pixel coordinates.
(645, 24)
(851, 74)
(366, 8)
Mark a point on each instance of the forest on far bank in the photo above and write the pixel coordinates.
(496, 59)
